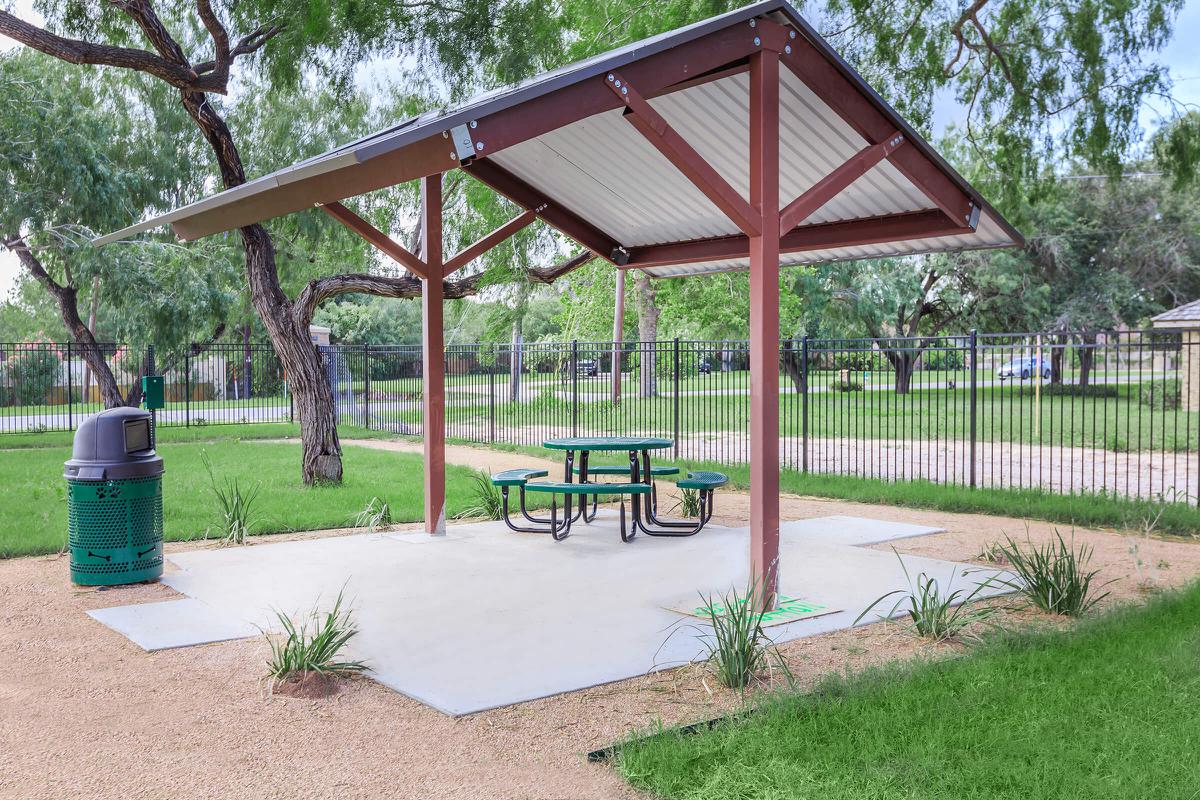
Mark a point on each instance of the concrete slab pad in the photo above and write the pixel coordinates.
(173, 623)
(485, 617)
(855, 531)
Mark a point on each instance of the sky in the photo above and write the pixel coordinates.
(1181, 56)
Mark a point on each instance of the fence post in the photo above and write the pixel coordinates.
(574, 387)
(153, 412)
(492, 401)
(367, 386)
(804, 404)
(974, 396)
(187, 386)
(675, 400)
(70, 392)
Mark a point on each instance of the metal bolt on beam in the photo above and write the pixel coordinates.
(753, 23)
(474, 124)
(787, 48)
(757, 41)
(611, 77)
(791, 34)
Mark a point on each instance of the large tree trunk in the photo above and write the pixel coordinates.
(904, 363)
(1057, 351)
(793, 364)
(288, 332)
(1087, 357)
(647, 335)
(67, 300)
(514, 360)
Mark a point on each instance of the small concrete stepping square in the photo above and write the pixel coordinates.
(855, 531)
(173, 623)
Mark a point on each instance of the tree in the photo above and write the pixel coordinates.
(66, 141)
(197, 55)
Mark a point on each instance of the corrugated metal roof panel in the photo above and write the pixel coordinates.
(606, 172)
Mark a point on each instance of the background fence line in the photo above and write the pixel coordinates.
(1072, 412)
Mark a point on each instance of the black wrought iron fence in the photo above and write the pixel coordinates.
(1114, 413)
(48, 386)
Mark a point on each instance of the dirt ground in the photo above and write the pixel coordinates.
(84, 712)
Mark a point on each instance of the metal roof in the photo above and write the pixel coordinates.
(601, 170)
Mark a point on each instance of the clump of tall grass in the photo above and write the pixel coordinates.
(376, 515)
(236, 505)
(313, 646)
(486, 501)
(689, 503)
(937, 613)
(738, 649)
(1053, 576)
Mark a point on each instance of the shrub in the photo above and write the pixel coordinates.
(302, 650)
(237, 514)
(376, 515)
(847, 385)
(689, 503)
(738, 649)
(1053, 576)
(933, 613)
(1160, 395)
(1073, 390)
(486, 500)
(33, 372)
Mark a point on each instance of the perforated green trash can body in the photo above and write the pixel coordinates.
(114, 500)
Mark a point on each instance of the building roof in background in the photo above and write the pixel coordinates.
(1185, 315)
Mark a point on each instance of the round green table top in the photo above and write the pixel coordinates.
(608, 443)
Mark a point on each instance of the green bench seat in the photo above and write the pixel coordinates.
(588, 488)
(705, 481)
(517, 477)
(623, 469)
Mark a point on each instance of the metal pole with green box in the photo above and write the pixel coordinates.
(114, 500)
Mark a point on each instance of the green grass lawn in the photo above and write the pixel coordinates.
(33, 492)
(1109, 710)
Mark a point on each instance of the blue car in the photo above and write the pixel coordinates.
(1024, 368)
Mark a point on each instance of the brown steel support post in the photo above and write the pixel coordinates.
(764, 328)
(433, 356)
(618, 331)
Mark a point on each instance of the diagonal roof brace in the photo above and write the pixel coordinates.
(671, 144)
(835, 182)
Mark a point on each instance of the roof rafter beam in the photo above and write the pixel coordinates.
(841, 94)
(826, 236)
(829, 187)
(562, 219)
(683, 156)
(377, 238)
(496, 237)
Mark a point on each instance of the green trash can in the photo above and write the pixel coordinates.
(114, 500)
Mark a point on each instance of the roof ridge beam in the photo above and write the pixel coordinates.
(377, 238)
(655, 128)
(496, 237)
(838, 92)
(829, 187)
(928, 224)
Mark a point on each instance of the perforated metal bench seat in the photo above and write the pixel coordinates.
(703, 480)
(623, 469)
(517, 477)
(588, 488)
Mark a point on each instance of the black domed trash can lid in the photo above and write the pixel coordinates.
(116, 443)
